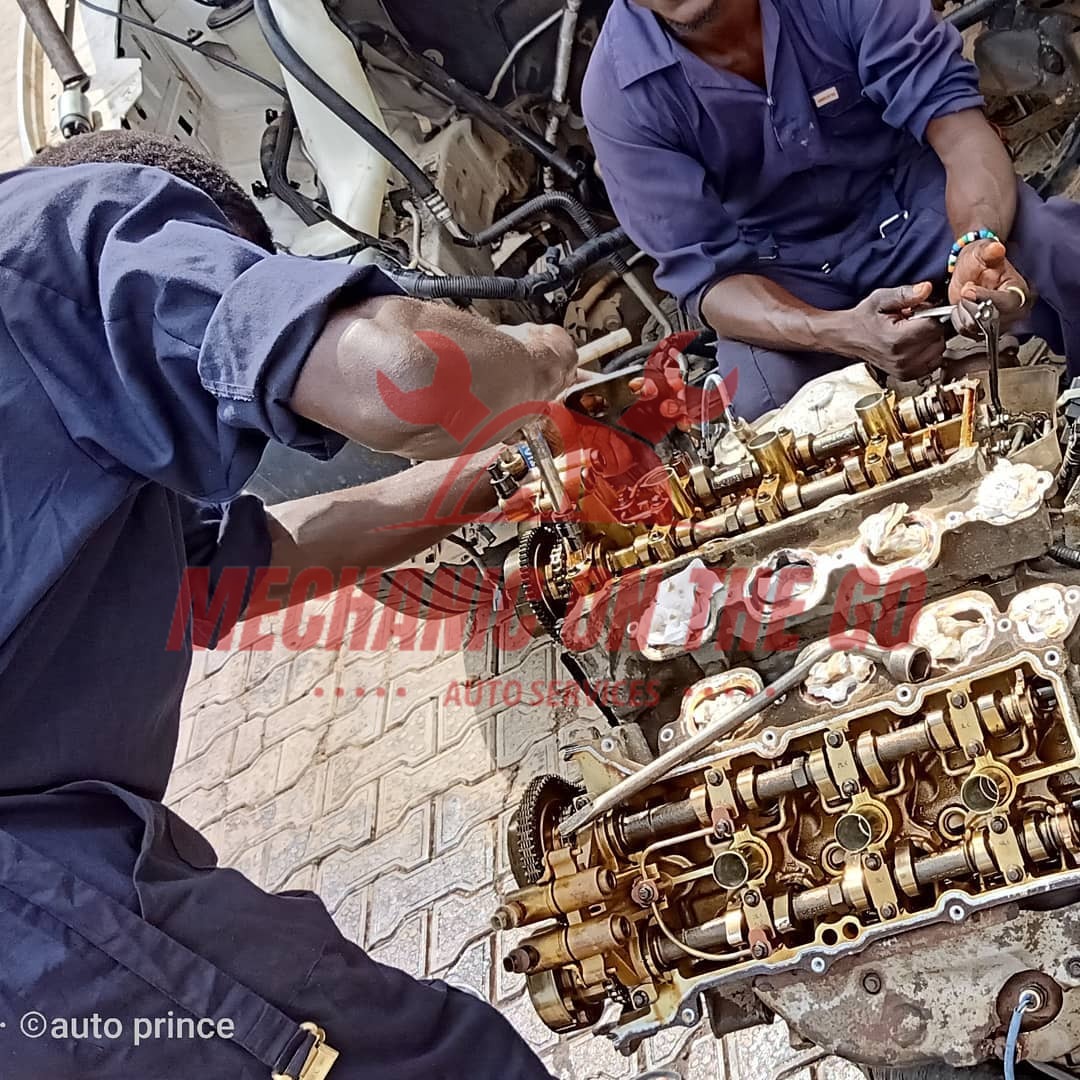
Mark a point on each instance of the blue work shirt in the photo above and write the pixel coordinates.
(147, 355)
(714, 175)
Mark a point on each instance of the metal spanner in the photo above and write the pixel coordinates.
(988, 320)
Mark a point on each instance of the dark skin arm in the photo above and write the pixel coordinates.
(980, 193)
(383, 524)
(754, 309)
(506, 368)
(378, 525)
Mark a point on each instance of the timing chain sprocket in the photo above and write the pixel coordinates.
(542, 566)
(531, 831)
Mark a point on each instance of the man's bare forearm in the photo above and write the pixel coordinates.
(754, 309)
(377, 525)
(980, 190)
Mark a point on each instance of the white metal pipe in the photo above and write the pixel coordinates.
(563, 59)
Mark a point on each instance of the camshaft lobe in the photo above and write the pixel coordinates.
(906, 663)
(874, 752)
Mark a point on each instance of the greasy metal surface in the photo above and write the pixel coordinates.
(935, 991)
(880, 832)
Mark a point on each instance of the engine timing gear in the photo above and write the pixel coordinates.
(545, 802)
(542, 569)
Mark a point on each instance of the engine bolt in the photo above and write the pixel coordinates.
(998, 825)
(502, 920)
(643, 893)
(1073, 967)
(873, 862)
(872, 983)
(958, 701)
(760, 951)
(712, 778)
(1015, 874)
(521, 961)
(974, 749)
(888, 911)
(640, 999)
(751, 899)
(849, 787)
(834, 739)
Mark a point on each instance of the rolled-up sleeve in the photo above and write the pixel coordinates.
(663, 197)
(911, 63)
(173, 346)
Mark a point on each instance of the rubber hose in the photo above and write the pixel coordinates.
(370, 132)
(1067, 556)
(273, 152)
(444, 84)
(467, 287)
(974, 11)
(631, 357)
(551, 200)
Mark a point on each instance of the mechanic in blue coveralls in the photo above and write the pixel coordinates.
(803, 171)
(150, 347)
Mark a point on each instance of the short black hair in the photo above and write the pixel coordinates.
(185, 163)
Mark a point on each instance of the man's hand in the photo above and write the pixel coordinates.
(881, 332)
(551, 353)
(983, 272)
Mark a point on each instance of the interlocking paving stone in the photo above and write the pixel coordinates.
(394, 808)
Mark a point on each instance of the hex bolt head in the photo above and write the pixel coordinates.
(1072, 966)
(958, 701)
(849, 787)
(834, 739)
(712, 777)
(873, 862)
(999, 825)
(751, 899)
(872, 983)
(1015, 874)
(689, 1017)
(760, 951)
(888, 911)
(974, 749)
(640, 999)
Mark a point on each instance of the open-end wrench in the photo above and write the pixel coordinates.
(988, 320)
(942, 314)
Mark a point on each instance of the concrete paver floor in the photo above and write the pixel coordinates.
(370, 779)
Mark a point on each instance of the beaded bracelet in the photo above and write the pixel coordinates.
(967, 238)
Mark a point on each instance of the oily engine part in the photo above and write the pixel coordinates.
(909, 500)
(632, 516)
(832, 825)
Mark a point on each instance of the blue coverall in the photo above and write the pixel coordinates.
(822, 181)
(147, 356)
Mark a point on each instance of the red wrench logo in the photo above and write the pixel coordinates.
(448, 402)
